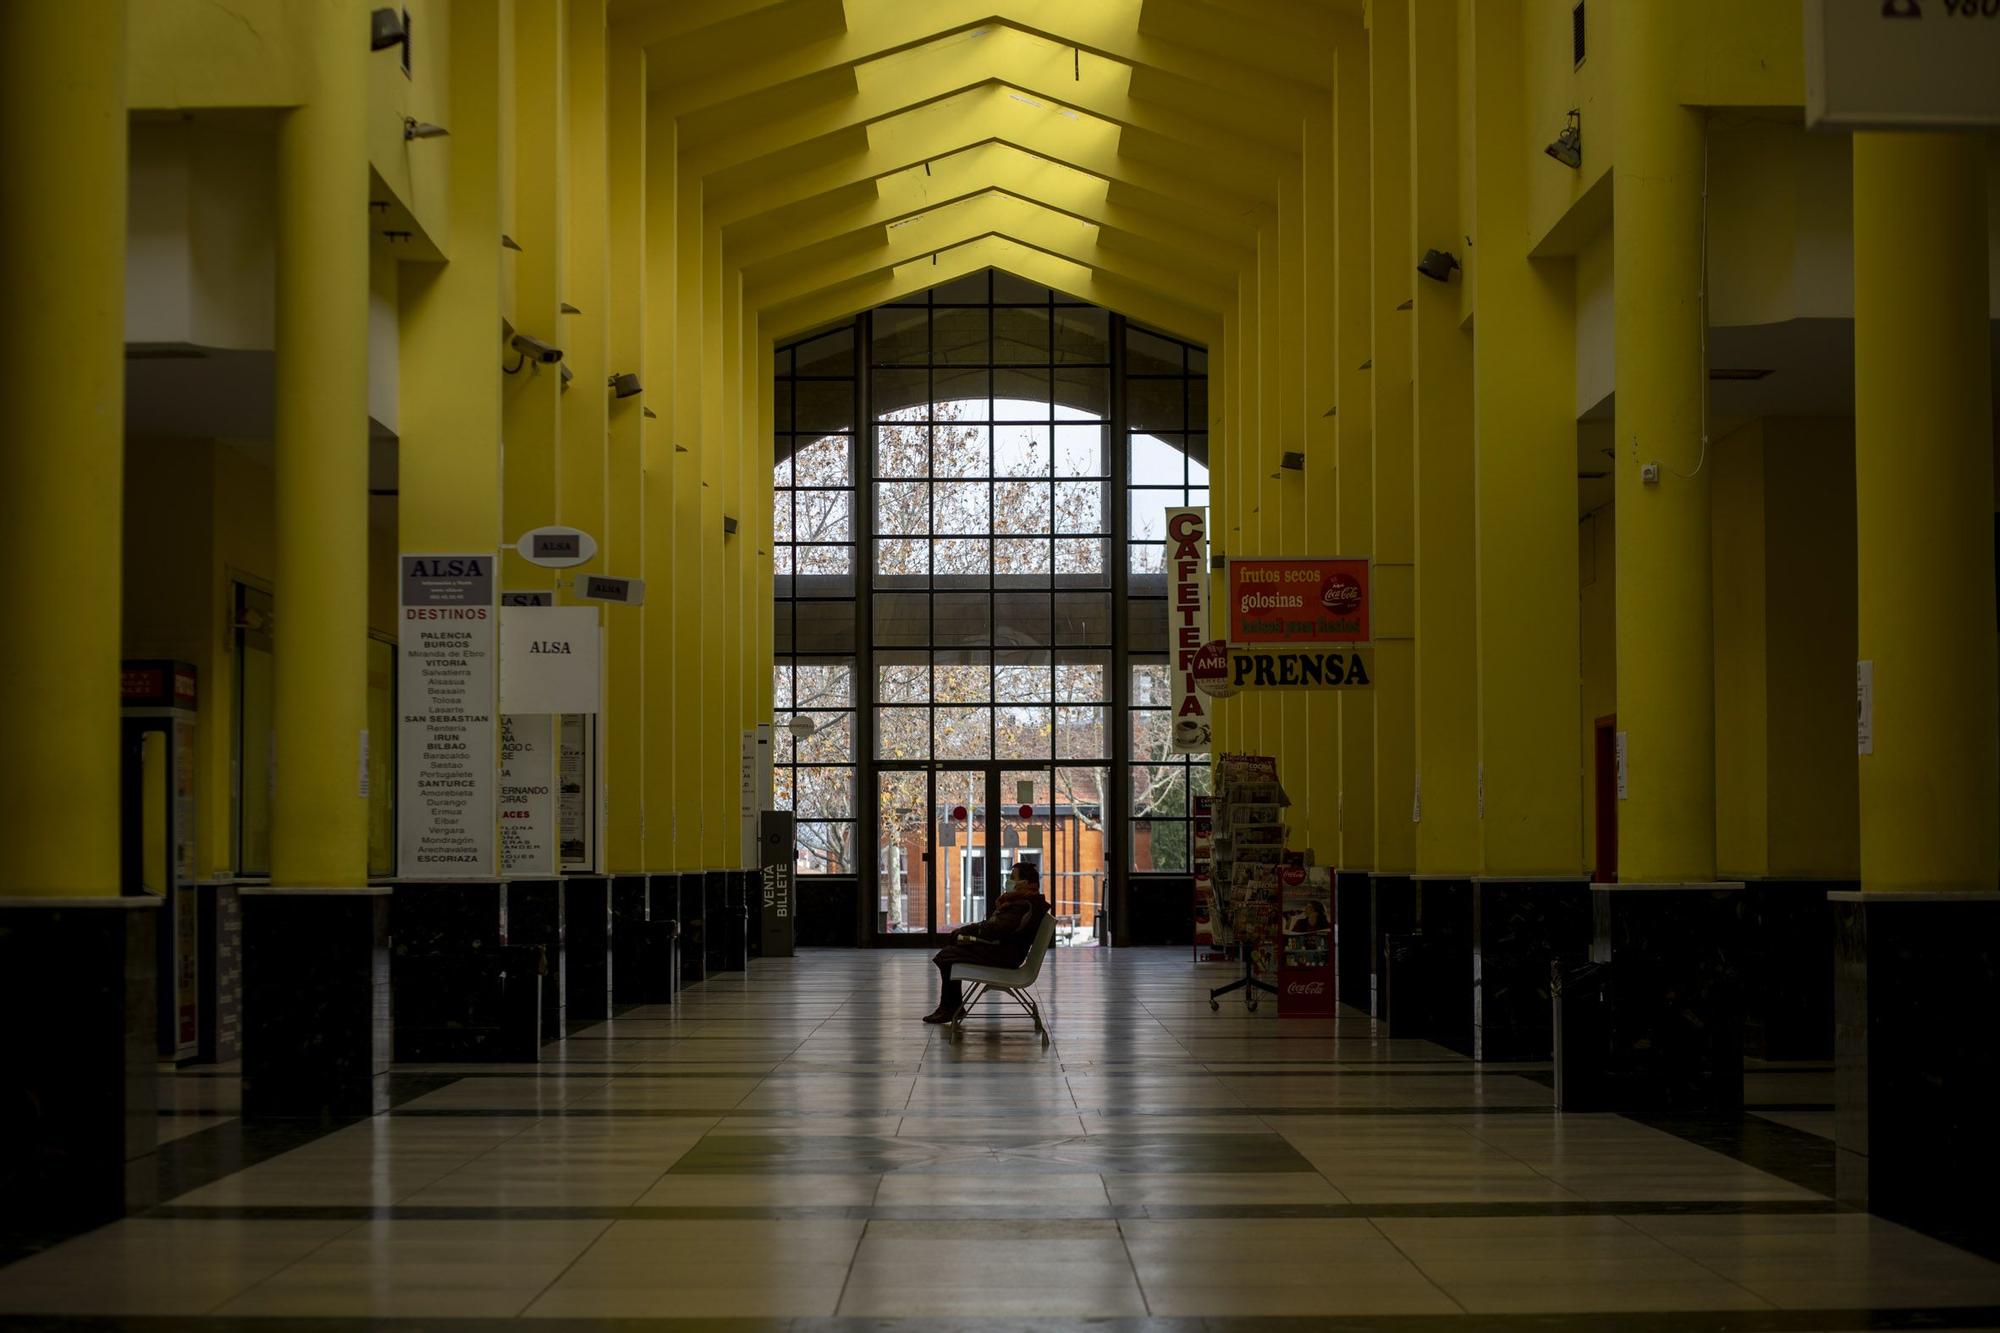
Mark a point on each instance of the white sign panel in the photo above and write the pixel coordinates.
(556, 547)
(444, 748)
(1902, 64)
(1187, 624)
(527, 794)
(549, 659)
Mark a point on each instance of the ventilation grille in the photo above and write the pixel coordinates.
(1576, 33)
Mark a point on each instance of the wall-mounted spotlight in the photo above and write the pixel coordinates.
(1437, 265)
(1568, 146)
(568, 309)
(508, 242)
(567, 376)
(649, 414)
(385, 29)
(422, 129)
(625, 386)
(1292, 461)
(728, 526)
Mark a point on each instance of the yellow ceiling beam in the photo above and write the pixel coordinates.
(984, 115)
(1019, 219)
(1035, 69)
(986, 167)
(869, 290)
(681, 31)
(689, 76)
(1291, 39)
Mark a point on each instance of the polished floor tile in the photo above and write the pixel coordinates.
(790, 1144)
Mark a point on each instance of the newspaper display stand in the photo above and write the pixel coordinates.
(1211, 926)
(1248, 841)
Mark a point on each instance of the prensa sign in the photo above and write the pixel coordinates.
(1187, 611)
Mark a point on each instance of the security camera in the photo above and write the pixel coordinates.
(536, 349)
(386, 30)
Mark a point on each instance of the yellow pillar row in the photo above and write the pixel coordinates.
(1665, 627)
(1319, 347)
(1441, 459)
(1923, 409)
(625, 736)
(62, 440)
(667, 589)
(1390, 384)
(1524, 451)
(319, 818)
(1353, 417)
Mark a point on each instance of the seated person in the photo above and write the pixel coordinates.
(1001, 940)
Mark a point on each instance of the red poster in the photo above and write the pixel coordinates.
(1297, 600)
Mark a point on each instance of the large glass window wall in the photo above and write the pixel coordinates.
(1000, 501)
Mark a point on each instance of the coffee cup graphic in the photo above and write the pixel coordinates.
(1191, 731)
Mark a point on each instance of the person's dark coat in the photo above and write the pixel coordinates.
(1003, 939)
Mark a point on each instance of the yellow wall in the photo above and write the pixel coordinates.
(1742, 678)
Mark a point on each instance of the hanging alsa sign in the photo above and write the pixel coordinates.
(1187, 622)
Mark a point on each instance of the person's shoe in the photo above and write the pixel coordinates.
(937, 1016)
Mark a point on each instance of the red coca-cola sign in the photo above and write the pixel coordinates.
(1292, 876)
(1342, 595)
(1305, 988)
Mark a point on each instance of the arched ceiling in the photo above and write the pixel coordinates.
(846, 152)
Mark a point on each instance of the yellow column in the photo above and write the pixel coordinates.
(1395, 551)
(1524, 451)
(625, 738)
(690, 604)
(319, 818)
(1441, 460)
(1320, 349)
(1353, 292)
(667, 584)
(448, 465)
(1287, 505)
(1665, 632)
(532, 396)
(1923, 420)
(62, 440)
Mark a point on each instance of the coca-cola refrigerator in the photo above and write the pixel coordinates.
(1305, 949)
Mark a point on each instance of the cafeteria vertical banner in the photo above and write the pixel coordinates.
(1187, 624)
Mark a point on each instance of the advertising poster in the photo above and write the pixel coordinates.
(445, 691)
(1297, 600)
(1305, 962)
(1187, 624)
(527, 794)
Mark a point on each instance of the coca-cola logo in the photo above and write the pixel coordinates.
(1305, 988)
(1293, 876)
(1341, 595)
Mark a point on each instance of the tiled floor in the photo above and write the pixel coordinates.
(791, 1145)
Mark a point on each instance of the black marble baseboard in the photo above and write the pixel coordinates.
(535, 912)
(1918, 1071)
(694, 926)
(77, 1110)
(1352, 972)
(1520, 927)
(317, 1008)
(1392, 910)
(1676, 996)
(1788, 966)
(440, 935)
(587, 930)
(715, 931)
(829, 913)
(631, 910)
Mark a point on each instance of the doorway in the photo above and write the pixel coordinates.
(949, 835)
